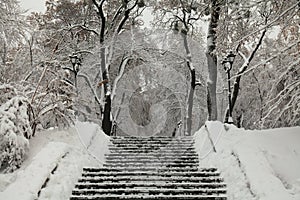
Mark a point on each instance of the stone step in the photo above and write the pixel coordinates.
(150, 157)
(152, 138)
(156, 179)
(156, 169)
(149, 197)
(143, 173)
(153, 160)
(163, 148)
(150, 191)
(153, 144)
(153, 164)
(154, 154)
(161, 151)
(103, 169)
(148, 185)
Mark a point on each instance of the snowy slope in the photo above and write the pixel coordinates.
(255, 164)
(54, 163)
(260, 165)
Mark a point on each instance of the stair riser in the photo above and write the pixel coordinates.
(116, 197)
(137, 157)
(153, 154)
(125, 179)
(150, 191)
(156, 164)
(147, 144)
(144, 161)
(158, 152)
(97, 175)
(117, 170)
(148, 185)
(167, 149)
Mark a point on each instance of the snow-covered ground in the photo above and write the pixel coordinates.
(54, 163)
(255, 164)
(260, 165)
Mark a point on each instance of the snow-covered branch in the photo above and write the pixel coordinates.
(269, 59)
(120, 74)
(87, 79)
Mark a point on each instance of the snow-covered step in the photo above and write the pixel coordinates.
(156, 179)
(104, 169)
(153, 144)
(160, 151)
(149, 197)
(151, 173)
(149, 157)
(147, 161)
(153, 138)
(148, 185)
(160, 169)
(161, 165)
(151, 191)
(163, 148)
(153, 154)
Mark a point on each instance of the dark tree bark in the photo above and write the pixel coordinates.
(244, 67)
(107, 115)
(190, 101)
(212, 61)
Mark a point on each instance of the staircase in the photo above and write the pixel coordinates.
(151, 168)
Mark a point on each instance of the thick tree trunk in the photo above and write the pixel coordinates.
(190, 101)
(106, 118)
(106, 122)
(212, 61)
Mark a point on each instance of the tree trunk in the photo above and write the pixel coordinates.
(105, 64)
(106, 122)
(190, 101)
(212, 61)
(237, 82)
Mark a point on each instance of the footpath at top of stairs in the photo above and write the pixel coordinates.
(156, 167)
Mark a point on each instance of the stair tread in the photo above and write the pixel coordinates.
(143, 190)
(156, 167)
(145, 184)
(150, 196)
(126, 179)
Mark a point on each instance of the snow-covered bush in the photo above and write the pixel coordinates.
(51, 96)
(7, 92)
(56, 108)
(14, 132)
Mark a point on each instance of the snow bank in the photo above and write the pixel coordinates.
(61, 183)
(255, 164)
(54, 163)
(30, 180)
(93, 139)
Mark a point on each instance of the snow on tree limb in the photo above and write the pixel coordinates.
(269, 24)
(269, 59)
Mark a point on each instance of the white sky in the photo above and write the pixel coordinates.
(33, 5)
